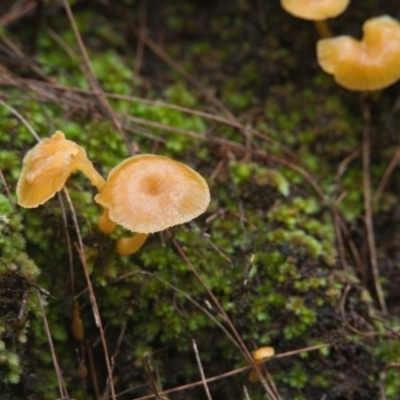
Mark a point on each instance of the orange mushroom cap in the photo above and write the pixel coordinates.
(47, 166)
(150, 193)
(315, 9)
(370, 64)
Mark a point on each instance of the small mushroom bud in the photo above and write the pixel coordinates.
(77, 325)
(259, 355)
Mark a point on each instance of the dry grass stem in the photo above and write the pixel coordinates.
(10, 199)
(385, 178)
(203, 377)
(22, 119)
(235, 371)
(93, 301)
(61, 387)
(369, 225)
(93, 81)
(244, 350)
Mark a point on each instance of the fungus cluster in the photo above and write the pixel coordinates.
(371, 63)
(144, 194)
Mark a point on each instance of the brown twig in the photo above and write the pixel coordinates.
(146, 360)
(61, 387)
(196, 83)
(347, 323)
(234, 372)
(140, 45)
(385, 178)
(383, 377)
(232, 327)
(156, 49)
(33, 84)
(68, 237)
(22, 119)
(93, 81)
(368, 208)
(17, 13)
(10, 199)
(186, 296)
(93, 371)
(203, 377)
(246, 393)
(95, 308)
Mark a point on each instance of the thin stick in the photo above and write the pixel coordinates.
(10, 199)
(22, 119)
(140, 45)
(68, 237)
(234, 372)
(246, 393)
(234, 123)
(243, 347)
(97, 318)
(203, 377)
(169, 60)
(383, 377)
(197, 84)
(93, 371)
(15, 14)
(150, 375)
(385, 178)
(221, 141)
(95, 308)
(61, 387)
(186, 296)
(92, 77)
(368, 208)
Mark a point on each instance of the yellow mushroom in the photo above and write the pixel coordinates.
(370, 64)
(150, 193)
(47, 166)
(317, 11)
(261, 354)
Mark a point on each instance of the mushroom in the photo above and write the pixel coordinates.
(317, 11)
(150, 193)
(259, 355)
(48, 165)
(370, 64)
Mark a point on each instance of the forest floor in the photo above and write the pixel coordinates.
(298, 251)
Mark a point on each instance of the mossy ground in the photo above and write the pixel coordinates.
(266, 246)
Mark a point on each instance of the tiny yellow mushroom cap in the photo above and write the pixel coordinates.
(47, 166)
(370, 64)
(263, 352)
(260, 354)
(150, 193)
(315, 10)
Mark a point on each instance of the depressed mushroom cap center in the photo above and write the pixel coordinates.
(152, 185)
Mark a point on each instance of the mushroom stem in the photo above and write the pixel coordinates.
(323, 29)
(105, 224)
(86, 167)
(131, 245)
